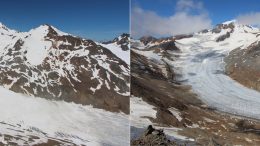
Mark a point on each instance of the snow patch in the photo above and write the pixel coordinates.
(36, 45)
(139, 111)
(117, 50)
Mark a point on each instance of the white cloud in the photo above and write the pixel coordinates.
(144, 22)
(187, 5)
(249, 18)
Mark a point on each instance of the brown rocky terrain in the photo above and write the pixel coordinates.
(243, 65)
(196, 120)
(153, 137)
(51, 142)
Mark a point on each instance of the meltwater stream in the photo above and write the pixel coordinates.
(203, 69)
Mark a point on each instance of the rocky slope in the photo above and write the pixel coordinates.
(243, 65)
(161, 83)
(48, 63)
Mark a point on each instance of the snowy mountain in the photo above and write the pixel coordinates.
(120, 47)
(48, 63)
(179, 84)
(59, 89)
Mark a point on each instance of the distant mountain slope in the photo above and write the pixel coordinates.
(120, 47)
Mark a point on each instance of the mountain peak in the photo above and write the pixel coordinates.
(230, 21)
(6, 30)
(125, 35)
(122, 36)
(43, 27)
(2, 25)
(46, 28)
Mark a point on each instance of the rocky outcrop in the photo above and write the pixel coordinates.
(147, 39)
(153, 137)
(169, 45)
(223, 37)
(123, 41)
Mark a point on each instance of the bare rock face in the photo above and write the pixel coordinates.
(147, 39)
(72, 69)
(169, 45)
(223, 37)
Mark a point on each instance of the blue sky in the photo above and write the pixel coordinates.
(211, 12)
(219, 10)
(94, 19)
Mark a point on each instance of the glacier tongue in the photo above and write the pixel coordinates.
(202, 66)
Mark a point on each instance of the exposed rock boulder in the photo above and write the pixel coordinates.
(153, 137)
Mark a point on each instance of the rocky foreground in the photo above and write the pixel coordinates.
(153, 137)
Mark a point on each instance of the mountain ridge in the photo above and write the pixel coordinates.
(63, 67)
